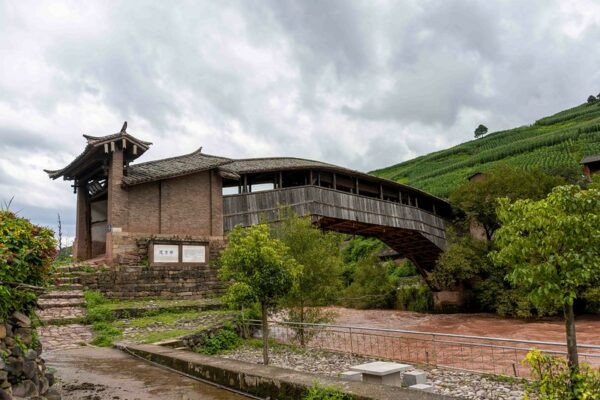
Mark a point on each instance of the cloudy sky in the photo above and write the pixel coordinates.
(363, 84)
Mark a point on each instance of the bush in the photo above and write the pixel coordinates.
(94, 298)
(318, 392)
(106, 334)
(413, 297)
(26, 254)
(222, 340)
(553, 379)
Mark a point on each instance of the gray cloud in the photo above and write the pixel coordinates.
(358, 83)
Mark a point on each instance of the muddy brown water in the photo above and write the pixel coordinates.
(92, 373)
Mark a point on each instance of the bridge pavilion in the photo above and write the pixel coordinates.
(176, 211)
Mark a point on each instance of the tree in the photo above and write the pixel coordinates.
(318, 278)
(481, 130)
(592, 99)
(478, 198)
(553, 248)
(260, 268)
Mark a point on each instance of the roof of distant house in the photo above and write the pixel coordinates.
(590, 159)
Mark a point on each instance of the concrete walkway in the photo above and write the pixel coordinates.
(109, 374)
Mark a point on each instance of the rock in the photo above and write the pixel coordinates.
(43, 385)
(50, 377)
(3, 375)
(30, 369)
(21, 319)
(17, 351)
(25, 389)
(4, 395)
(2, 364)
(15, 366)
(31, 355)
(52, 394)
(2, 331)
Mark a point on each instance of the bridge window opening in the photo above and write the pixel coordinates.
(326, 179)
(344, 183)
(295, 178)
(262, 182)
(390, 194)
(368, 189)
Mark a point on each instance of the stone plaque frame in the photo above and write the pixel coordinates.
(191, 260)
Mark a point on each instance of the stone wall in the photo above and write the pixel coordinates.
(130, 282)
(23, 373)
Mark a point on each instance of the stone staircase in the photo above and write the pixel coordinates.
(62, 310)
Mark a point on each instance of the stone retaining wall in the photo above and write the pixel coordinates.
(23, 372)
(130, 282)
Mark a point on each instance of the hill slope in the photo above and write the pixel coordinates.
(558, 141)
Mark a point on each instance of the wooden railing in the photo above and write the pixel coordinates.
(251, 208)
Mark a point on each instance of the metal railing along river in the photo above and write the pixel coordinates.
(466, 352)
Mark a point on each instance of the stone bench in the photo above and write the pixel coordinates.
(416, 377)
(351, 376)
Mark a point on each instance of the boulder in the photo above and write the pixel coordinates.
(31, 355)
(52, 394)
(25, 389)
(4, 395)
(30, 369)
(2, 331)
(15, 366)
(50, 377)
(43, 385)
(21, 319)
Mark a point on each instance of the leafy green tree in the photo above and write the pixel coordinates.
(261, 269)
(553, 247)
(478, 198)
(318, 280)
(592, 99)
(481, 130)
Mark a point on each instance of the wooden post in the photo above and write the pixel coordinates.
(280, 180)
(416, 201)
(381, 191)
(310, 175)
(357, 190)
(319, 178)
(334, 182)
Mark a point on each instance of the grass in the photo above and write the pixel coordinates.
(553, 143)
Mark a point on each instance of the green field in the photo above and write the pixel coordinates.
(558, 141)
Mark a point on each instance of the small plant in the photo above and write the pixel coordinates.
(106, 334)
(319, 392)
(222, 340)
(554, 380)
(93, 298)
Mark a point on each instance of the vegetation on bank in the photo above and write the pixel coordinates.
(553, 144)
(26, 254)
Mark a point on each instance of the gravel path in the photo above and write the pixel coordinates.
(464, 385)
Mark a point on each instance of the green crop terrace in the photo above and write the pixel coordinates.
(554, 142)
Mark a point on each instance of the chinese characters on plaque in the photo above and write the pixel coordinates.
(166, 253)
(169, 253)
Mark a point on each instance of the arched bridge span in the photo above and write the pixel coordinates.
(415, 233)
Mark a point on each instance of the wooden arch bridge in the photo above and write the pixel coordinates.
(409, 221)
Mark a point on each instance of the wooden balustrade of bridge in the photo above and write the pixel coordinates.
(416, 234)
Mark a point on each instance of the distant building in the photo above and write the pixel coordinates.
(591, 165)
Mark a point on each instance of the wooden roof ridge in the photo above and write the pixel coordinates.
(95, 142)
(198, 151)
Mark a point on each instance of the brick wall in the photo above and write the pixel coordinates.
(144, 208)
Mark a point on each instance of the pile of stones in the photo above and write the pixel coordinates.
(23, 373)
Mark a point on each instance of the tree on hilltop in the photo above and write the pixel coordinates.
(592, 99)
(481, 130)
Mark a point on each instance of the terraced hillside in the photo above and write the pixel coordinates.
(558, 141)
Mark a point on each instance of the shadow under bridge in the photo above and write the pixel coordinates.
(416, 234)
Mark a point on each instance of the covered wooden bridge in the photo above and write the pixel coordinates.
(408, 220)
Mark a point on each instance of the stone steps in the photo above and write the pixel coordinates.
(61, 315)
(46, 304)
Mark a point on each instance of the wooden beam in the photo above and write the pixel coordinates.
(334, 182)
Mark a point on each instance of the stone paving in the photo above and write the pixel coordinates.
(62, 310)
(62, 337)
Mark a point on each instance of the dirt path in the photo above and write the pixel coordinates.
(90, 373)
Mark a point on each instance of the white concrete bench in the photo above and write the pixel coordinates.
(386, 373)
(422, 387)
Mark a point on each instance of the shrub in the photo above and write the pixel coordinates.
(416, 297)
(318, 392)
(26, 254)
(221, 340)
(553, 379)
(94, 298)
(106, 334)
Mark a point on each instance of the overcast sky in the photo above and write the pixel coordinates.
(363, 84)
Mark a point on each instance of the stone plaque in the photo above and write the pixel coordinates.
(194, 253)
(166, 253)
